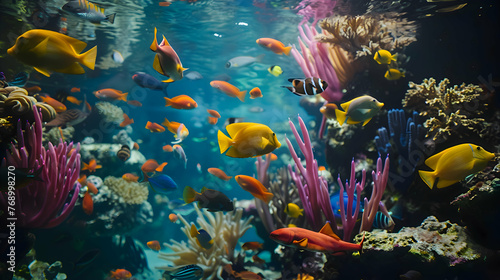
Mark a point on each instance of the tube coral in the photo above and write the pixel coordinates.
(42, 204)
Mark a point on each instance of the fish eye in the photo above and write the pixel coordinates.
(228, 64)
(374, 100)
(479, 148)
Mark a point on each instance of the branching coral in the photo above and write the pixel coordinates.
(365, 34)
(450, 110)
(130, 192)
(225, 230)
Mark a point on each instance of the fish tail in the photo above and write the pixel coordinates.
(168, 101)
(266, 197)
(124, 97)
(189, 194)
(88, 58)
(429, 177)
(287, 50)
(224, 141)
(259, 58)
(154, 45)
(241, 95)
(165, 86)
(111, 18)
(341, 116)
(85, 166)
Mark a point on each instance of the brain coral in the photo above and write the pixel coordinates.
(130, 192)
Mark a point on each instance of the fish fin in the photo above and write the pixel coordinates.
(259, 58)
(234, 128)
(203, 189)
(224, 141)
(165, 41)
(189, 194)
(154, 45)
(350, 121)
(111, 18)
(441, 183)
(345, 106)
(266, 197)
(193, 232)
(340, 116)
(77, 45)
(432, 162)
(85, 166)
(124, 97)
(88, 58)
(157, 65)
(44, 72)
(41, 48)
(429, 177)
(365, 122)
(241, 95)
(235, 153)
(169, 80)
(74, 68)
(168, 101)
(290, 89)
(286, 50)
(165, 86)
(180, 68)
(394, 57)
(302, 243)
(327, 230)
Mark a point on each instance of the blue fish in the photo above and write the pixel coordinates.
(20, 79)
(202, 237)
(334, 200)
(147, 81)
(188, 272)
(162, 183)
(381, 221)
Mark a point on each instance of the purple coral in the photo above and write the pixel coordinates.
(349, 221)
(42, 204)
(319, 9)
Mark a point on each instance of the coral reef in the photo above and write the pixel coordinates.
(450, 111)
(432, 241)
(364, 35)
(129, 192)
(54, 134)
(225, 230)
(105, 154)
(109, 112)
(16, 103)
(318, 9)
(43, 204)
(39, 270)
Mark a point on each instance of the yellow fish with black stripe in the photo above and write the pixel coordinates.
(454, 164)
(48, 51)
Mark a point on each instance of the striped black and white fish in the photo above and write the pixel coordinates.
(307, 86)
(123, 153)
(382, 221)
(188, 272)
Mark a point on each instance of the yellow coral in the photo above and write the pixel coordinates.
(131, 192)
(225, 230)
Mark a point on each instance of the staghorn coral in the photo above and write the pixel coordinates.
(110, 113)
(225, 230)
(130, 192)
(451, 111)
(365, 34)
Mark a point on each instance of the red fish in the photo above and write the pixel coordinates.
(126, 121)
(168, 148)
(75, 89)
(154, 245)
(212, 120)
(172, 217)
(111, 94)
(324, 241)
(92, 166)
(33, 89)
(181, 102)
(154, 127)
(134, 103)
(87, 204)
(152, 165)
(252, 245)
(92, 188)
(130, 177)
(213, 113)
(274, 45)
(121, 274)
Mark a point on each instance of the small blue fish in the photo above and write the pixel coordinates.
(162, 183)
(202, 237)
(20, 79)
(188, 272)
(335, 202)
(382, 221)
(147, 81)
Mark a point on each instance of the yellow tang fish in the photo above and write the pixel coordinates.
(48, 51)
(393, 74)
(166, 62)
(360, 109)
(384, 57)
(247, 140)
(454, 164)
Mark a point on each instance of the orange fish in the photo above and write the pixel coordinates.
(73, 100)
(58, 106)
(92, 188)
(168, 148)
(321, 168)
(111, 94)
(92, 166)
(83, 180)
(174, 128)
(274, 45)
(33, 89)
(257, 259)
(154, 245)
(164, 4)
(121, 274)
(152, 165)
(229, 89)
(136, 146)
(134, 103)
(87, 204)
(243, 275)
(130, 177)
(255, 93)
(328, 110)
(126, 121)
(75, 89)
(219, 173)
(213, 113)
(181, 102)
(255, 246)
(173, 218)
(154, 127)
(324, 241)
(212, 120)
(273, 157)
(254, 187)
